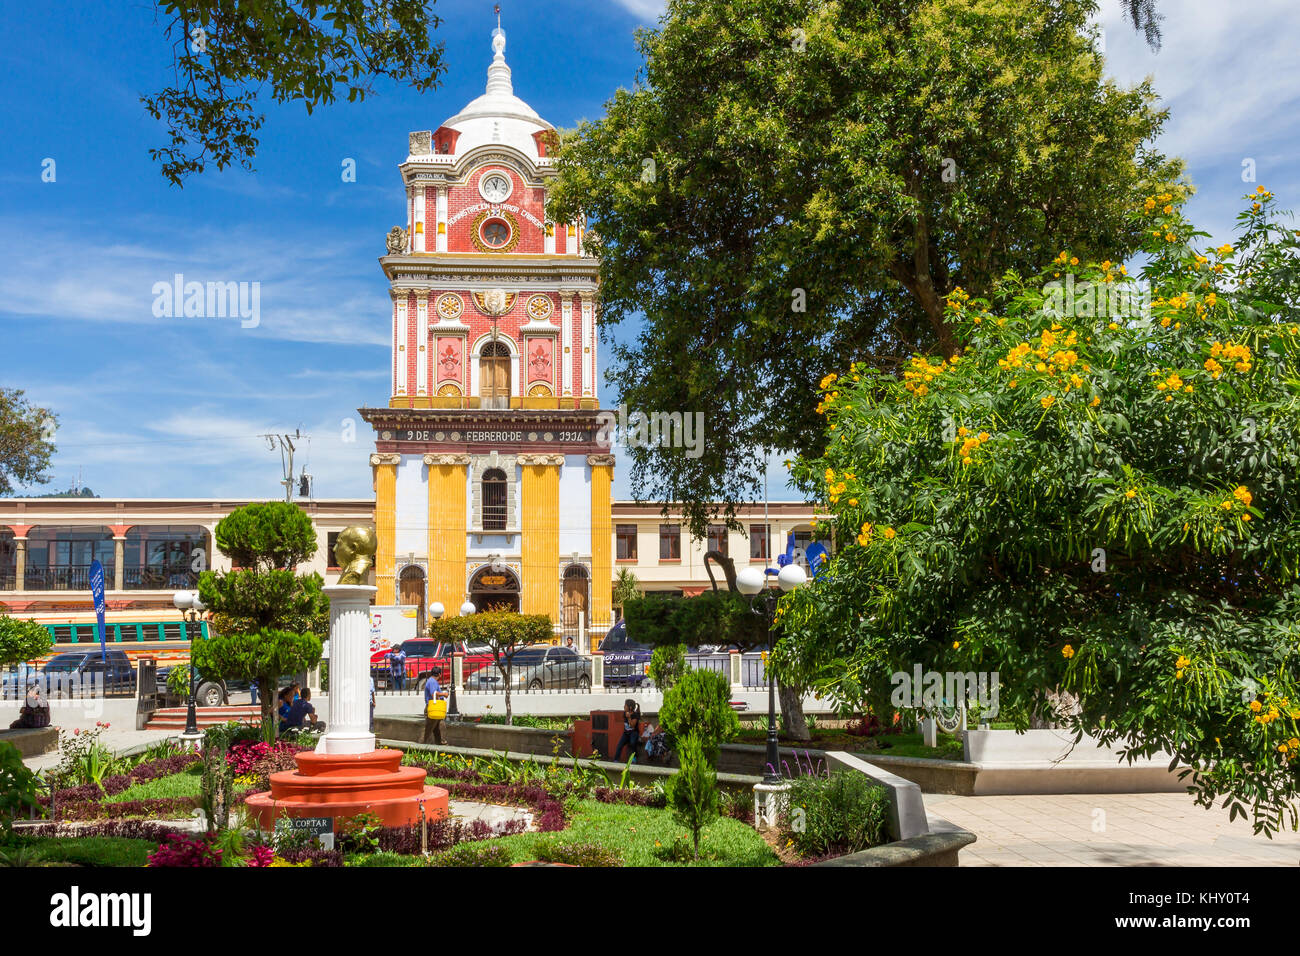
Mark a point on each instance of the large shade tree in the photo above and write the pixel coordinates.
(26, 441)
(1096, 495)
(225, 54)
(792, 185)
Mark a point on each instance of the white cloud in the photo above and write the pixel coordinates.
(647, 11)
(311, 290)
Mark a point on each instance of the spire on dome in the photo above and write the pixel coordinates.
(498, 72)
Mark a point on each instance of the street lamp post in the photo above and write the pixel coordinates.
(762, 601)
(191, 608)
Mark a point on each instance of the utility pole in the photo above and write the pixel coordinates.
(287, 448)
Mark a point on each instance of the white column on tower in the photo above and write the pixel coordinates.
(440, 243)
(422, 342)
(403, 321)
(566, 341)
(587, 325)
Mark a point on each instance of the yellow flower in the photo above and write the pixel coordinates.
(1243, 495)
(1256, 706)
(1067, 652)
(1182, 662)
(1130, 493)
(1096, 400)
(956, 644)
(888, 533)
(1047, 401)
(1113, 326)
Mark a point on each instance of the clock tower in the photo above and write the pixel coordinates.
(490, 483)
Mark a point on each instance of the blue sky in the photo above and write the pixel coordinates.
(172, 406)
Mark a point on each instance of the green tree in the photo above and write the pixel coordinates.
(626, 587)
(274, 534)
(699, 704)
(264, 602)
(504, 632)
(1096, 496)
(693, 789)
(226, 52)
(667, 664)
(26, 441)
(22, 640)
(262, 656)
(794, 185)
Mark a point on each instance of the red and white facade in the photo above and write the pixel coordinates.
(480, 264)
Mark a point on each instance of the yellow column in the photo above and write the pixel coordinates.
(602, 544)
(540, 507)
(385, 468)
(447, 527)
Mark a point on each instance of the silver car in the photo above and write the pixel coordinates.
(536, 668)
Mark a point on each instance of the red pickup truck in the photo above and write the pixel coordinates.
(422, 656)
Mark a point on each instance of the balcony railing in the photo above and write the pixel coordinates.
(64, 577)
(76, 577)
(177, 577)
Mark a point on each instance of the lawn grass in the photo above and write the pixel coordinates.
(86, 851)
(184, 784)
(635, 833)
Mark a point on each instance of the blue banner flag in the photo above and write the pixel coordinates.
(97, 594)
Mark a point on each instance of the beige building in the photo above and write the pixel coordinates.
(151, 548)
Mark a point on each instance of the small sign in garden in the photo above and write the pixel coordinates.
(320, 829)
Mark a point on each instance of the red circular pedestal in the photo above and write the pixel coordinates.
(344, 785)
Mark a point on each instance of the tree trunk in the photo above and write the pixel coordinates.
(792, 717)
(267, 700)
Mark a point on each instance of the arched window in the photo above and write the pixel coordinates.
(494, 500)
(494, 371)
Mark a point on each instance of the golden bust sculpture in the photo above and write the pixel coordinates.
(354, 552)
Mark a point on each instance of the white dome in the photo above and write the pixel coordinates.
(498, 117)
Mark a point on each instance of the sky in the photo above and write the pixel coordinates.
(173, 407)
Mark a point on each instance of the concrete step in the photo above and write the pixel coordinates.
(173, 718)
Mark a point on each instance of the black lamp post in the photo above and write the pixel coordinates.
(762, 601)
(191, 608)
(436, 611)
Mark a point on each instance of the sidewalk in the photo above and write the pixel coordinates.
(1108, 829)
(114, 739)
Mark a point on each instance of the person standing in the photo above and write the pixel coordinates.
(397, 667)
(435, 706)
(631, 729)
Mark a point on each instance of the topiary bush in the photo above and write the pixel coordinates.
(693, 790)
(700, 704)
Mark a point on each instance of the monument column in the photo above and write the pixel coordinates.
(540, 524)
(385, 468)
(119, 555)
(348, 731)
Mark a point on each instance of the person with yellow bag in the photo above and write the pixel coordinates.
(435, 704)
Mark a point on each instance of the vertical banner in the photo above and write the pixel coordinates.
(97, 594)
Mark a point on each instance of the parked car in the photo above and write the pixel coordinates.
(210, 692)
(71, 669)
(15, 681)
(627, 662)
(423, 656)
(537, 668)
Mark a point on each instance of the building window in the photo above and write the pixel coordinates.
(670, 542)
(625, 537)
(494, 500)
(758, 546)
(718, 538)
(494, 371)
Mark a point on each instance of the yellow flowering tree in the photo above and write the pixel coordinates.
(1098, 493)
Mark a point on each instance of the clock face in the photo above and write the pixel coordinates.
(495, 187)
(495, 233)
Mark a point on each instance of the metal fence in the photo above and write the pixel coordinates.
(16, 680)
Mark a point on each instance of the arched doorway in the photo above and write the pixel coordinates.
(494, 374)
(411, 592)
(494, 590)
(577, 604)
